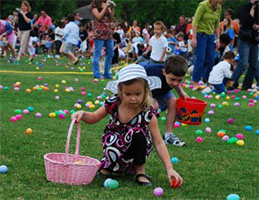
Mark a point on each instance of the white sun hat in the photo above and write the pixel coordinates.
(130, 72)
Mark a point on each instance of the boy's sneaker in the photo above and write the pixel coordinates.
(207, 89)
(174, 140)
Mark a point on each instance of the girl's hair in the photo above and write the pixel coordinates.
(229, 23)
(147, 100)
(96, 4)
(26, 3)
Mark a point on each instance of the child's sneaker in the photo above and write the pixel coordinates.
(207, 89)
(174, 140)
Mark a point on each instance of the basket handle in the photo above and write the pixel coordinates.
(77, 139)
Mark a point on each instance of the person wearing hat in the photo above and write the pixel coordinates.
(133, 127)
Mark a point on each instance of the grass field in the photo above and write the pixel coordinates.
(211, 170)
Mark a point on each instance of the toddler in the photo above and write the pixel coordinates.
(133, 127)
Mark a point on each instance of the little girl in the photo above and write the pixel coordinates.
(133, 127)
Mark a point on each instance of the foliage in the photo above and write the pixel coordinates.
(56, 9)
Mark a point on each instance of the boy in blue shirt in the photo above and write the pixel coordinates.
(171, 75)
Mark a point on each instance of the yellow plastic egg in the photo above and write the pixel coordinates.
(227, 97)
(56, 90)
(28, 90)
(240, 142)
(92, 106)
(78, 106)
(57, 85)
(67, 90)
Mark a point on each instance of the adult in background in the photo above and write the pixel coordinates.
(234, 24)
(248, 44)
(44, 22)
(24, 25)
(103, 12)
(205, 25)
(181, 27)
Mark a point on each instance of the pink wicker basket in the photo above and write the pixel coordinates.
(68, 168)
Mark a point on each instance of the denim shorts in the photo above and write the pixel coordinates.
(69, 48)
(162, 100)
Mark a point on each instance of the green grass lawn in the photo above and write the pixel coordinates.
(211, 170)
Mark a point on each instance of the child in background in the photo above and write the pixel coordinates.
(181, 45)
(171, 40)
(171, 74)
(133, 126)
(157, 44)
(220, 74)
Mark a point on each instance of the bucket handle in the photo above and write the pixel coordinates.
(77, 139)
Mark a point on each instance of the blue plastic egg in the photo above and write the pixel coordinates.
(3, 169)
(174, 160)
(248, 128)
(233, 197)
(106, 182)
(257, 132)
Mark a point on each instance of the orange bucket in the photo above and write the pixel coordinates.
(190, 111)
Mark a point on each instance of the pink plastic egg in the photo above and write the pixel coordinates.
(225, 138)
(230, 120)
(26, 111)
(18, 117)
(83, 93)
(208, 130)
(199, 139)
(240, 136)
(13, 119)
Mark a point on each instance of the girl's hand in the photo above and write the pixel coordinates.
(194, 42)
(172, 174)
(78, 115)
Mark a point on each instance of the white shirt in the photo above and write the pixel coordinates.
(58, 31)
(158, 46)
(219, 72)
(71, 33)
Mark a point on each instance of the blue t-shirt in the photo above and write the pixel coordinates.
(172, 46)
(157, 70)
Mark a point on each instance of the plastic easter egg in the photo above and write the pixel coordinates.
(233, 197)
(248, 128)
(1, 87)
(99, 97)
(211, 112)
(163, 118)
(251, 104)
(240, 142)
(225, 103)
(208, 130)
(92, 106)
(230, 121)
(6, 87)
(28, 131)
(174, 160)
(95, 80)
(61, 116)
(30, 108)
(89, 94)
(39, 78)
(17, 111)
(227, 97)
(220, 134)
(106, 182)
(199, 132)
(112, 184)
(232, 140)
(257, 132)
(67, 90)
(16, 89)
(83, 93)
(199, 139)
(97, 102)
(63, 81)
(240, 136)
(3, 169)
(57, 98)
(244, 96)
(220, 106)
(38, 115)
(207, 120)
(26, 111)
(212, 105)
(13, 119)
(225, 138)
(78, 106)
(158, 192)
(18, 117)
(174, 185)
(52, 115)
(236, 104)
